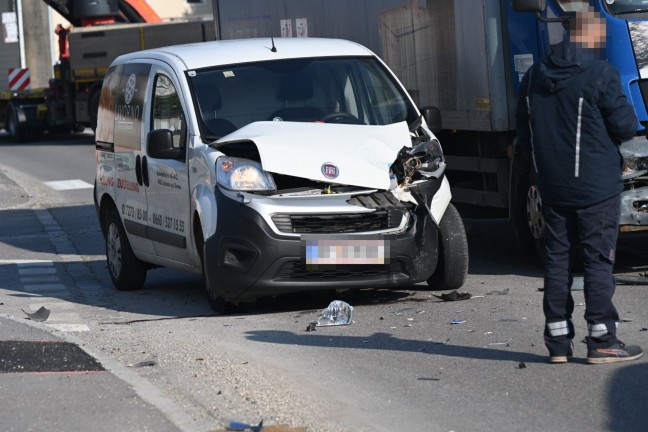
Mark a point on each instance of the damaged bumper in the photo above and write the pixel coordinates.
(634, 199)
(247, 258)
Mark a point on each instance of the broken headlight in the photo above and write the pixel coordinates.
(423, 160)
(238, 174)
(634, 167)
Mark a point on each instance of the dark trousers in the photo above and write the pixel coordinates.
(595, 229)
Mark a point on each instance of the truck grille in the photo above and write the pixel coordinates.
(338, 223)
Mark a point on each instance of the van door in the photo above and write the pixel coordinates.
(129, 134)
(168, 189)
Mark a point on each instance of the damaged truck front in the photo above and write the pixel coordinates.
(305, 165)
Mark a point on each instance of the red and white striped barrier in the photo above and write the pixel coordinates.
(19, 79)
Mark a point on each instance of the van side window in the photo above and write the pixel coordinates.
(167, 110)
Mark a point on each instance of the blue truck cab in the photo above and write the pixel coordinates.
(626, 48)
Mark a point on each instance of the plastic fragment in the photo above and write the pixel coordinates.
(453, 296)
(238, 426)
(39, 316)
(143, 364)
(501, 343)
(337, 313)
(311, 327)
(522, 365)
(502, 292)
(457, 321)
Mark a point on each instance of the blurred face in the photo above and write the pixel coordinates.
(589, 30)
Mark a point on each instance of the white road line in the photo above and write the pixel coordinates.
(39, 279)
(28, 263)
(35, 271)
(45, 287)
(68, 184)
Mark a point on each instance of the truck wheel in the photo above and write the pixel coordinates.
(452, 266)
(216, 301)
(15, 133)
(519, 190)
(126, 271)
(535, 220)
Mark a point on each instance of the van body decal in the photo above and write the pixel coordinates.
(129, 106)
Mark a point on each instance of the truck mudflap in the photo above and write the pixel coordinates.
(634, 199)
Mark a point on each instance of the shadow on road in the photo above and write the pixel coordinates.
(387, 342)
(627, 405)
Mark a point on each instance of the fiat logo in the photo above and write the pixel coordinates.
(330, 170)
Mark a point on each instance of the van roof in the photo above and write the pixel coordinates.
(224, 52)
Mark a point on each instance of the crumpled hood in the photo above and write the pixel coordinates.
(564, 61)
(362, 154)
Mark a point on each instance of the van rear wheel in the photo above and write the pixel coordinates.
(126, 271)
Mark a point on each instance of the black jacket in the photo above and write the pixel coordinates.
(571, 117)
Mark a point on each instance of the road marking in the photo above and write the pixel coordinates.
(28, 263)
(39, 279)
(68, 184)
(35, 271)
(45, 287)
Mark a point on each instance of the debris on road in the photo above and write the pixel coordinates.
(505, 291)
(522, 365)
(311, 327)
(238, 426)
(457, 321)
(337, 313)
(453, 296)
(146, 363)
(39, 316)
(501, 343)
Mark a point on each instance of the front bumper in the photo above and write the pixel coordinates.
(245, 259)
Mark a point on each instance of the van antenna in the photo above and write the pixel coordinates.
(274, 48)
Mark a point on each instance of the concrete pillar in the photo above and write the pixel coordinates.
(37, 36)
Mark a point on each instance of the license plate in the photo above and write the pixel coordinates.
(345, 252)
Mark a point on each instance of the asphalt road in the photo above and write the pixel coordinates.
(401, 365)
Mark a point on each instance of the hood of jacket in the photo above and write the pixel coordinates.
(564, 61)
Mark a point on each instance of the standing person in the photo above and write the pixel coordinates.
(572, 115)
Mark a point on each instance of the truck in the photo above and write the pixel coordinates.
(101, 31)
(467, 58)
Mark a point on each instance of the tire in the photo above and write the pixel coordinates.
(218, 303)
(526, 208)
(452, 266)
(15, 132)
(126, 271)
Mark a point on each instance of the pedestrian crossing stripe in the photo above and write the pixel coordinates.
(62, 185)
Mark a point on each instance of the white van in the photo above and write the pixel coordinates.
(271, 166)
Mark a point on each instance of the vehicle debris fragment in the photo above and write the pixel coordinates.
(337, 313)
(454, 296)
(39, 316)
(457, 321)
(238, 426)
(505, 291)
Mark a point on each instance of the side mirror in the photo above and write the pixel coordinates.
(159, 145)
(432, 116)
(535, 6)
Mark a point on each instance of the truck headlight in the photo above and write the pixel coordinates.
(238, 174)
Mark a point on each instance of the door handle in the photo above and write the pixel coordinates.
(145, 177)
(138, 170)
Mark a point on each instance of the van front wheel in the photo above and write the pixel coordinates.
(452, 266)
(126, 271)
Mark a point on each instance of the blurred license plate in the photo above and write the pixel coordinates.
(338, 252)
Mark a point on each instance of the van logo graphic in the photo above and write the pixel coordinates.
(129, 91)
(330, 170)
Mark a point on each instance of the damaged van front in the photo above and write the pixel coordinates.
(307, 167)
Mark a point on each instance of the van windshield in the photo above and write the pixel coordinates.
(351, 90)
